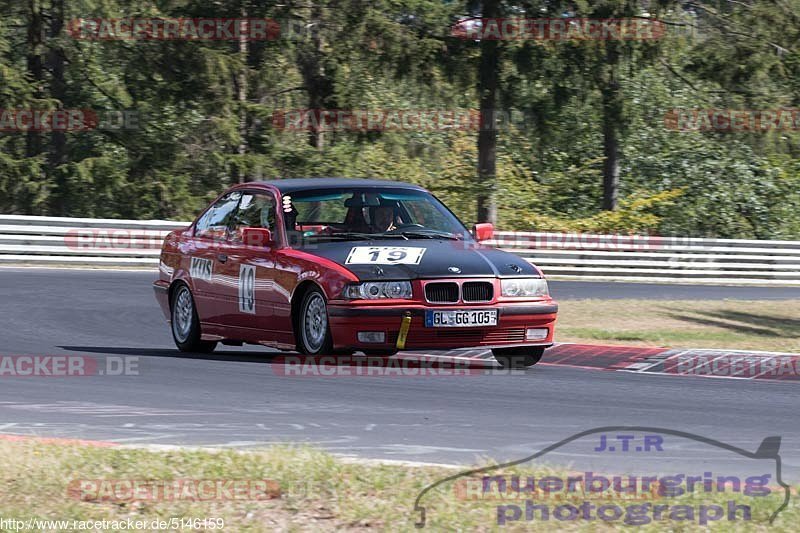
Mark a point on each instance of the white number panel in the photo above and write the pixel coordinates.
(384, 255)
(247, 289)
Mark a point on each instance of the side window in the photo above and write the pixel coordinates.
(214, 223)
(256, 210)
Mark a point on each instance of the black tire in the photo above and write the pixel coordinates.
(313, 330)
(185, 324)
(518, 357)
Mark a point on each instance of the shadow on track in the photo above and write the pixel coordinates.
(235, 356)
(273, 358)
(756, 324)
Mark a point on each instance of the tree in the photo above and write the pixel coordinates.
(488, 74)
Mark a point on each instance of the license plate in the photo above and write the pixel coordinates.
(454, 318)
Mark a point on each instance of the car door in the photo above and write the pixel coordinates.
(203, 253)
(250, 296)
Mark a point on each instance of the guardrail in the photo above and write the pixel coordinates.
(667, 259)
(82, 241)
(137, 243)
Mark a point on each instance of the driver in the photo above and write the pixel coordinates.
(383, 219)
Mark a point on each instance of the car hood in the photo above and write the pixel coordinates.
(441, 259)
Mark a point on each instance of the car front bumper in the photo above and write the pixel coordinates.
(513, 321)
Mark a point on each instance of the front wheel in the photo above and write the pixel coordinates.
(186, 324)
(519, 356)
(314, 334)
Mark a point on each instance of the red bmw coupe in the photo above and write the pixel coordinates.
(326, 266)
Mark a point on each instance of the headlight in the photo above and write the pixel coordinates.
(524, 287)
(374, 290)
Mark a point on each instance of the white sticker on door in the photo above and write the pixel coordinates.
(200, 268)
(247, 289)
(384, 255)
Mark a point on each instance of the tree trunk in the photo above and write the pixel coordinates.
(611, 163)
(487, 136)
(241, 99)
(35, 64)
(58, 90)
(612, 127)
(318, 86)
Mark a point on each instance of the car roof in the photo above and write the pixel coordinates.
(301, 184)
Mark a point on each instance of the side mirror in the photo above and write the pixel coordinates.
(260, 237)
(483, 231)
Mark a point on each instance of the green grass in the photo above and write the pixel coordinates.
(320, 493)
(734, 324)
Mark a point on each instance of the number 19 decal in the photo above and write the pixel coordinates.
(384, 255)
(247, 289)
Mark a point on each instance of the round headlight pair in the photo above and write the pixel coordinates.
(374, 290)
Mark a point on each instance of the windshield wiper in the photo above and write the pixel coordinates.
(430, 234)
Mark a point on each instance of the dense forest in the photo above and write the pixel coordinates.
(566, 133)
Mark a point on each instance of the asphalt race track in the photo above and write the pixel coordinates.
(239, 397)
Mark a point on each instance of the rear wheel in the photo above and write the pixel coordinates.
(313, 330)
(186, 324)
(519, 356)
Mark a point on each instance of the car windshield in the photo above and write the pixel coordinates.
(359, 214)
